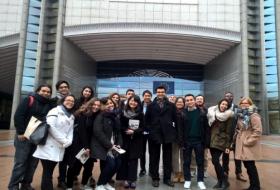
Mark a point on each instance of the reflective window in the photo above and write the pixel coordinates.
(140, 84)
(271, 66)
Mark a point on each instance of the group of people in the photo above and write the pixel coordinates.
(115, 132)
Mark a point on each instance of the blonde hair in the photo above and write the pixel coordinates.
(248, 99)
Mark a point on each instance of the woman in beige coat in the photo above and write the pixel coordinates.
(248, 133)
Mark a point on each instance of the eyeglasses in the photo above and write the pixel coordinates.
(244, 103)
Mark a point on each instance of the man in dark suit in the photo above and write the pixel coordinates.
(147, 99)
(160, 120)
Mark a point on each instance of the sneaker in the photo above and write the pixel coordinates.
(86, 187)
(201, 185)
(100, 187)
(108, 187)
(187, 184)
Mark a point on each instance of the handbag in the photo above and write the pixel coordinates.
(32, 126)
(39, 136)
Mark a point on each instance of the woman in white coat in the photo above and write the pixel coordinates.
(61, 121)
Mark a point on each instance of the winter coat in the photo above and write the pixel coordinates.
(82, 135)
(248, 145)
(161, 123)
(221, 126)
(220, 134)
(106, 127)
(133, 144)
(26, 109)
(60, 136)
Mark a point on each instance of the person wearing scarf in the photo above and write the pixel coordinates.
(247, 135)
(132, 129)
(220, 122)
(62, 90)
(106, 139)
(61, 121)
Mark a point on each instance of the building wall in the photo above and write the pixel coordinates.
(10, 16)
(221, 14)
(224, 74)
(76, 67)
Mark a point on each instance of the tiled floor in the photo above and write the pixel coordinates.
(268, 167)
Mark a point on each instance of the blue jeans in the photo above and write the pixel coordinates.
(24, 163)
(108, 169)
(199, 157)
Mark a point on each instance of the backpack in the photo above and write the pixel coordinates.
(31, 101)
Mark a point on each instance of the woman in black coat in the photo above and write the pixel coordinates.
(132, 129)
(85, 117)
(105, 141)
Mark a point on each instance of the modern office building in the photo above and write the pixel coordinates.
(192, 46)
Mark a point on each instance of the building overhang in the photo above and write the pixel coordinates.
(150, 41)
(8, 62)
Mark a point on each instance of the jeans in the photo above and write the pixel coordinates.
(24, 163)
(48, 168)
(108, 169)
(253, 174)
(199, 157)
(216, 154)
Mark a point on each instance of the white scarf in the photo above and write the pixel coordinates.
(214, 113)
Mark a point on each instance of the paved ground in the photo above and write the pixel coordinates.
(268, 167)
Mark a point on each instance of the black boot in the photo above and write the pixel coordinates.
(218, 185)
(225, 184)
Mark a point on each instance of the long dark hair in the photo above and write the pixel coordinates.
(136, 99)
(82, 98)
(223, 100)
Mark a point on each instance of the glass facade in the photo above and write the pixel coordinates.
(30, 57)
(10, 16)
(142, 83)
(222, 14)
(271, 66)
